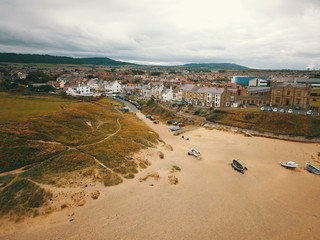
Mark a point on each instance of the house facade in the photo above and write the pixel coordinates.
(290, 95)
(80, 90)
(203, 96)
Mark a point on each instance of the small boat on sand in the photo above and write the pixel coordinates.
(289, 164)
(195, 153)
(174, 128)
(238, 166)
(312, 169)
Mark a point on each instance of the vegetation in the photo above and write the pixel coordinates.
(66, 148)
(17, 107)
(36, 58)
(278, 123)
(22, 197)
(176, 168)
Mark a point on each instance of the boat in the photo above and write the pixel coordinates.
(174, 128)
(238, 166)
(195, 153)
(289, 164)
(312, 169)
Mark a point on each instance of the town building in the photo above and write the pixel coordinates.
(288, 94)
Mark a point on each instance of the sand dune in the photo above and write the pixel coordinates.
(211, 200)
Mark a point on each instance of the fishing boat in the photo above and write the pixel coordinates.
(289, 164)
(312, 169)
(238, 166)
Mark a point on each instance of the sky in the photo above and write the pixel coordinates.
(273, 34)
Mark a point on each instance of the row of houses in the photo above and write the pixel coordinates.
(282, 94)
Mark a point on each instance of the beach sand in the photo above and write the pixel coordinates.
(210, 200)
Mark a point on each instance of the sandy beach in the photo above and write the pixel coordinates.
(210, 201)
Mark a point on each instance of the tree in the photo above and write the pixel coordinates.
(37, 77)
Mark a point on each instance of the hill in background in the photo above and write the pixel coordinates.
(37, 58)
(218, 66)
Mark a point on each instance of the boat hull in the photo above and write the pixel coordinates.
(312, 169)
(289, 165)
(237, 166)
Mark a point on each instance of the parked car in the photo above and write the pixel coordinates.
(176, 123)
(281, 110)
(169, 122)
(297, 108)
(275, 109)
(309, 112)
(290, 111)
(155, 121)
(262, 109)
(180, 124)
(269, 109)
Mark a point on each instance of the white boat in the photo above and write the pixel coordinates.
(289, 164)
(194, 153)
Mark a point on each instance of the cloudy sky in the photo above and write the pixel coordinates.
(261, 34)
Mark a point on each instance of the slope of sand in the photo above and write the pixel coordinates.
(211, 200)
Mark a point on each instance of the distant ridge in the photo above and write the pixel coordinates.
(37, 58)
(217, 66)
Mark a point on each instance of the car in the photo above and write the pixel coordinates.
(269, 109)
(176, 123)
(180, 124)
(262, 109)
(290, 111)
(309, 112)
(275, 110)
(281, 110)
(297, 108)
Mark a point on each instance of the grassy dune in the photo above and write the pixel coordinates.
(278, 123)
(70, 147)
(15, 107)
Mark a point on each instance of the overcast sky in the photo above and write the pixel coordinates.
(260, 34)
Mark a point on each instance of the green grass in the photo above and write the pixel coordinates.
(278, 123)
(62, 146)
(6, 179)
(14, 107)
(22, 198)
(107, 100)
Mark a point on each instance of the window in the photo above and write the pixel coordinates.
(232, 98)
(278, 92)
(299, 93)
(297, 101)
(277, 100)
(288, 92)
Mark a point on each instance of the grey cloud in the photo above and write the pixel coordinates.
(271, 33)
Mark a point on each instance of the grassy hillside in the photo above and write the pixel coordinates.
(15, 107)
(37, 58)
(86, 142)
(279, 123)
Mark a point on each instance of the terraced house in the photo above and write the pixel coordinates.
(202, 96)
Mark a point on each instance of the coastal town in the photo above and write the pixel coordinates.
(202, 88)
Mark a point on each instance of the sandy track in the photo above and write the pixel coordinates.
(211, 201)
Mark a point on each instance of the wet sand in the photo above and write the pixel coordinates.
(211, 200)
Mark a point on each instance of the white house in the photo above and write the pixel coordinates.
(94, 84)
(167, 94)
(80, 90)
(112, 87)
